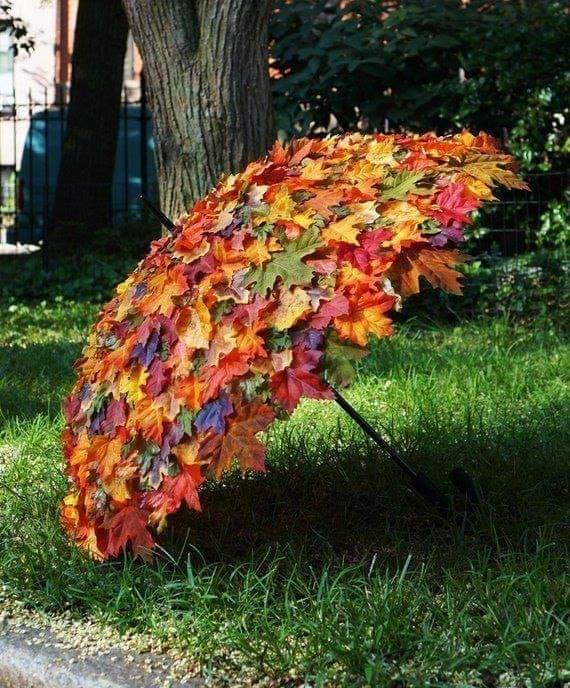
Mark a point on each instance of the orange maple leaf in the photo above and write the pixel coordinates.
(190, 390)
(435, 265)
(106, 452)
(365, 316)
(324, 199)
(240, 440)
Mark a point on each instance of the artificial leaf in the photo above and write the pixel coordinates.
(274, 279)
(337, 361)
(128, 526)
(398, 186)
(240, 441)
(287, 264)
(366, 316)
(292, 305)
(345, 230)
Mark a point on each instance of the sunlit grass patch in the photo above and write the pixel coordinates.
(327, 568)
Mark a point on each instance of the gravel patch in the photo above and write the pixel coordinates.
(40, 651)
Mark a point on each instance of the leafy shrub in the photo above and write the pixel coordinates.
(366, 64)
(554, 231)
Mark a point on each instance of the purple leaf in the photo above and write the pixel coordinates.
(213, 415)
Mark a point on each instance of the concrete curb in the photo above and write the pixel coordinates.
(29, 668)
(32, 657)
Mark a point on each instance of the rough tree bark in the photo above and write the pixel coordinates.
(84, 183)
(206, 67)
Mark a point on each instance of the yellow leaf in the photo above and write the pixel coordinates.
(187, 452)
(118, 489)
(487, 169)
(282, 206)
(477, 187)
(380, 152)
(292, 305)
(305, 219)
(257, 253)
(130, 381)
(313, 170)
(365, 212)
(402, 211)
(364, 170)
(343, 230)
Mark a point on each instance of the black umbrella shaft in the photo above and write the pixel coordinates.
(369, 430)
(165, 221)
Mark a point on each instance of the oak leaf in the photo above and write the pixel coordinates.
(286, 264)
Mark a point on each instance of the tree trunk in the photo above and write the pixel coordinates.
(84, 184)
(206, 66)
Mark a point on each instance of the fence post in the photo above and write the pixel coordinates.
(46, 161)
(126, 149)
(31, 210)
(143, 135)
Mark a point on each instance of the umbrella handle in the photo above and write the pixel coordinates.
(419, 481)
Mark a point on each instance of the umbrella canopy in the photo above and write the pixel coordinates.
(263, 293)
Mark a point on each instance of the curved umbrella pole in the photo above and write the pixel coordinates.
(418, 480)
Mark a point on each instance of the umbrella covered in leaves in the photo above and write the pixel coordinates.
(263, 294)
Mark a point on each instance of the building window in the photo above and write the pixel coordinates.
(6, 69)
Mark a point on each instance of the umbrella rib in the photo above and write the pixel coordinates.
(165, 221)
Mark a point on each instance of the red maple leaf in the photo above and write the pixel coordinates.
(215, 377)
(298, 380)
(173, 491)
(129, 526)
(453, 203)
(338, 305)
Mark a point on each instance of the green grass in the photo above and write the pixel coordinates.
(326, 568)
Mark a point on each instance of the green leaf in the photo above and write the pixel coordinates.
(277, 340)
(397, 187)
(185, 418)
(338, 360)
(286, 264)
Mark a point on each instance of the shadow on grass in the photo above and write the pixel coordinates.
(34, 379)
(352, 505)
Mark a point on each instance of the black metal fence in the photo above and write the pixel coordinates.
(31, 141)
(519, 221)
